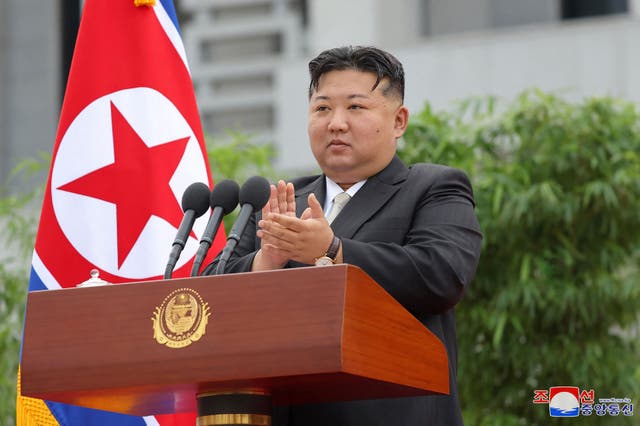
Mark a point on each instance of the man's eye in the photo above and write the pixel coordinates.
(322, 108)
(355, 107)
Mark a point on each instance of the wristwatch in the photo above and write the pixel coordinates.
(329, 258)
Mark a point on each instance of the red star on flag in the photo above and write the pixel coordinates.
(137, 182)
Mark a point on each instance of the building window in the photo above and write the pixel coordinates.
(582, 8)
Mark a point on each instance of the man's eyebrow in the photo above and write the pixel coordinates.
(326, 98)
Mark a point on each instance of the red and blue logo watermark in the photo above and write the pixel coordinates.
(571, 401)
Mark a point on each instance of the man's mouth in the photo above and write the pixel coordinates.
(337, 143)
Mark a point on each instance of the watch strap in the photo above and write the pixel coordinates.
(332, 251)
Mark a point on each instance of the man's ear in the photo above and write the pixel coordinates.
(401, 121)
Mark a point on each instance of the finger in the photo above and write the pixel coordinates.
(272, 205)
(275, 240)
(291, 223)
(270, 239)
(271, 230)
(291, 200)
(316, 208)
(282, 197)
(306, 214)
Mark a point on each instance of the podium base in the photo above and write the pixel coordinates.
(234, 408)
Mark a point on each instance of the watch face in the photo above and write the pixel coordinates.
(324, 261)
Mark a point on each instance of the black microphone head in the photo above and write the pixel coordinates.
(255, 191)
(196, 198)
(225, 194)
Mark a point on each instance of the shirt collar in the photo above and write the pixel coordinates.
(333, 189)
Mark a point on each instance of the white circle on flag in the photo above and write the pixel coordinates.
(87, 145)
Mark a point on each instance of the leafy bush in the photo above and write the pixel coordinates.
(239, 159)
(556, 296)
(18, 223)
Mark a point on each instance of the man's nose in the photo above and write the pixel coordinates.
(338, 121)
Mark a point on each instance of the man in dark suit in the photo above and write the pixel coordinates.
(413, 230)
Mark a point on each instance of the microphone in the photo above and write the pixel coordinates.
(224, 199)
(253, 196)
(195, 202)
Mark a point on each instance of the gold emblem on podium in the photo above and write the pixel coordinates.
(181, 319)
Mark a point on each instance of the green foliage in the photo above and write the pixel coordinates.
(556, 299)
(18, 224)
(13, 287)
(239, 159)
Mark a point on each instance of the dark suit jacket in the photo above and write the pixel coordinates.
(414, 231)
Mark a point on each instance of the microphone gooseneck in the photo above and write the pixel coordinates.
(254, 194)
(223, 200)
(195, 202)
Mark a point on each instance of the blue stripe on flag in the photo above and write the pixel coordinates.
(171, 11)
(35, 283)
(68, 415)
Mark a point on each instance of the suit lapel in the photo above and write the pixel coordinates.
(370, 198)
(317, 187)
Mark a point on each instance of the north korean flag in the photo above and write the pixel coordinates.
(129, 143)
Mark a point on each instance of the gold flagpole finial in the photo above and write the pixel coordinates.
(139, 3)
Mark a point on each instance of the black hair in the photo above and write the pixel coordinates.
(359, 58)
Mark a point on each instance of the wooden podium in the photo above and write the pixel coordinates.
(303, 335)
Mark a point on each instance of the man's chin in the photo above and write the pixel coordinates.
(338, 166)
(343, 177)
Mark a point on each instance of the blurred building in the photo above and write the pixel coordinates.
(248, 58)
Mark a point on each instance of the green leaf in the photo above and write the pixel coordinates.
(499, 329)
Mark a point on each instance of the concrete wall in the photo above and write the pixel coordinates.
(29, 79)
(4, 105)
